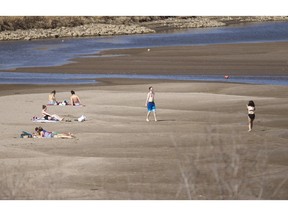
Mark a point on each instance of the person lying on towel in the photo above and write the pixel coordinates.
(41, 133)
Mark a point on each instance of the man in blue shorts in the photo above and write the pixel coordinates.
(150, 103)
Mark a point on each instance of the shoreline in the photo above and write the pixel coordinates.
(18, 89)
(253, 59)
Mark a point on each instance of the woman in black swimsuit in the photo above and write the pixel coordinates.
(251, 114)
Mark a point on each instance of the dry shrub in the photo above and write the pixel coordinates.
(13, 23)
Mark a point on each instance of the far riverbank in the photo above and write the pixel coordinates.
(57, 52)
(31, 28)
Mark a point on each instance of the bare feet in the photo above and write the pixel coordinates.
(147, 119)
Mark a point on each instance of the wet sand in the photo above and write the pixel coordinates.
(199, 149)
(226, 59)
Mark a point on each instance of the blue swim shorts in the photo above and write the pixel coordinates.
(151, 106)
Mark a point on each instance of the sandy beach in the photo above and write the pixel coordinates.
(199, 148)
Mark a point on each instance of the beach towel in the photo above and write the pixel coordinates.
(42, 120)
(63, 103)
(80, 105)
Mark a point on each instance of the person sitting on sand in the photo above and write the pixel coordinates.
(48, 116)
(52, 98)
(41, 133)
(74, 99)
(251, 114)
(150, 103)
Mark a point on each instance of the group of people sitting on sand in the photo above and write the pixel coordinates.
(42, 133)
(74, 99)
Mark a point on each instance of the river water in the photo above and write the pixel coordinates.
(53, 52)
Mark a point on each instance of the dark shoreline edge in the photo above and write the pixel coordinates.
(19, 89)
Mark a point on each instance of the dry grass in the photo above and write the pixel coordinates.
(45, 22)
(13, 23)
(15, 184)
(228, 171)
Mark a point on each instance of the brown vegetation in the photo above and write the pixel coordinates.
(43, 27)
(12, 23)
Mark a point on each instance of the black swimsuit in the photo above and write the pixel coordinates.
(251, 116)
